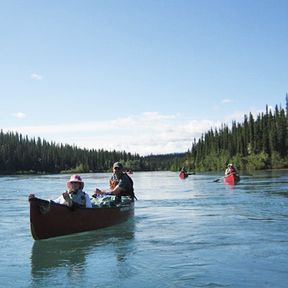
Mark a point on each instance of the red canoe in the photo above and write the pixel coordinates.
(183, 175)
(49, 219)
(231, 179)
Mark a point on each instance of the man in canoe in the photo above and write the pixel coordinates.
(75, 196)
(120, 184)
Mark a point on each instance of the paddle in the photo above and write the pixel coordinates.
(217, 180)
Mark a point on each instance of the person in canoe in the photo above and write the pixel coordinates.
(183, 169)
(74, 196)
(120, 184)
(183, 173)
(230, 170)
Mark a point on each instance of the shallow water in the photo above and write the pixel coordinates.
(185, 233)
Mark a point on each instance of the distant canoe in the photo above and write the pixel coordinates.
(231, 179)
(183, 175)
(49, 219)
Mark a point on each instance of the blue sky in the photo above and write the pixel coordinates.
(141, 76)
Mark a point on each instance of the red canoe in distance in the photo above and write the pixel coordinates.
(183, 175)
(49, 219)
(231, 179)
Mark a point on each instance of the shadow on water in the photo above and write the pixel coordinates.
(71, 252)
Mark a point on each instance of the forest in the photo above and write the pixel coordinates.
(255, 144)
(21, 155)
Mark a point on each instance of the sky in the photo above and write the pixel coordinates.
(142, 76)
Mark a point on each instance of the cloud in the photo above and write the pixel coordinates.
(19, 115)
(35, 76)
(146, 133)
(226, 100)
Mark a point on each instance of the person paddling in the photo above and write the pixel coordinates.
(120, 184)
(230, 170)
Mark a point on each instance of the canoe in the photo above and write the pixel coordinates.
(183, 175)
(231, 179)
(49, 219)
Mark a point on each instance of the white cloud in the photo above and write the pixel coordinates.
(35, 76)
(19, 115)
(226, 100)
(146, 133)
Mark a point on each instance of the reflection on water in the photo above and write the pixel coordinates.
(70, 253)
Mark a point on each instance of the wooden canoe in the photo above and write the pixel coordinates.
(49, 219)
(231, 179)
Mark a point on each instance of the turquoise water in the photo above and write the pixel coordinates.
(185, 233)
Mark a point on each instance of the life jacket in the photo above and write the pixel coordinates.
(113, 183)
(78, 197)
(232, 170)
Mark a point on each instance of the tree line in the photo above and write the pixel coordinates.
(23, 155)
(255, 144)
(19, 154)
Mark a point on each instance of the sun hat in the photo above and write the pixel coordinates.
(117, 165)
(77, 179)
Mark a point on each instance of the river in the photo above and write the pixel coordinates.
(185, 233)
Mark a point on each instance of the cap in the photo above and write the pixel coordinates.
(117, 165)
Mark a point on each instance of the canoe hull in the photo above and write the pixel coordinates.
(49, 219)
(183, 175)
(231, 179)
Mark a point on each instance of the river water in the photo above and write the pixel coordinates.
(185, 233)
